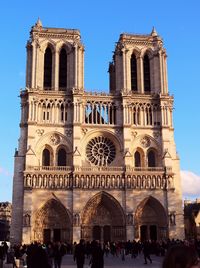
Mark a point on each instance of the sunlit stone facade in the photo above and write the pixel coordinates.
(95, 165)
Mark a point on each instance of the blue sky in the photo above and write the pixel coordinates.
(100, 24)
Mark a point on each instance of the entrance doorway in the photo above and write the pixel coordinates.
(96, 233)
(107, 233)
(150, 219)
(52, 223)
(153, 232)
(56, 235)
(143, 233)
(103, 219)
(46, 235)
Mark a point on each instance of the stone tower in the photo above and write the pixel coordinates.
(95, 165)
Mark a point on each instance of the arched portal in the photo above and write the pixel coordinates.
(150, 220)
(103, 219)
(53, 223)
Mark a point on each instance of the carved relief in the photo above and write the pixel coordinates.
(145, 142)
(129, 219)
(68, 132)
(84, 130)
(26, 220)
(156, 134)
(40, 132)
(54, 139)
(76, 219)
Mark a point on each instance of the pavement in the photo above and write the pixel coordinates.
(111, 261)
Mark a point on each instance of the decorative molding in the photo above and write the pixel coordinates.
(145, 142)
(54, 139)
(40, 132)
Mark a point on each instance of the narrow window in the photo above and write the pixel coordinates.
(146, 69)
(63, 70)
(47, 69)
(151, 159)
(62, 158)
(137, 159)
(133, 73)
(46, 157)
(62, 113)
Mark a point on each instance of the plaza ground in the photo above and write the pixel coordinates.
(111, 261)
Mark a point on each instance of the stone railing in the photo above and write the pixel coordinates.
(94, 169)
(49, 168)
(97, 178)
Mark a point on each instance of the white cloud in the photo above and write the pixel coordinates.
(190, 184)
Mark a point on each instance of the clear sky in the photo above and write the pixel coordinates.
(100, 24)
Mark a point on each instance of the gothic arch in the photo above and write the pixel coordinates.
(44, 155)
(54, 138)
(150, 220)
(142, 156)
(152, 157)
(68, 155)
(103, 210)
(52, 218)
(146, 142)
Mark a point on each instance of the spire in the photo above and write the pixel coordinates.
(153, 32)
(38, 23)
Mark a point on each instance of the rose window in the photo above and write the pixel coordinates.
(100, 151)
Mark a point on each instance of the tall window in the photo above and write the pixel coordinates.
(146, 69)
(133, 73)
(62, 157)
(151, 159)
(47, 68)
(137, 159)
(63, 69)
(46, 157)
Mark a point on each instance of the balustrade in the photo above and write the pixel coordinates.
(43, 177)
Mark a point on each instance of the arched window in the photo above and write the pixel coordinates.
(146, 70)
(62, 157)
(47, 68)
(133, 73)
(137, 159)
(151, 159)
(63, 69)
(46, 157)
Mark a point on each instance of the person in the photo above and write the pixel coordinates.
(59, 252)
(97, 258)
(1, 256)
(79, 254)
(181, 256)
(146, 252)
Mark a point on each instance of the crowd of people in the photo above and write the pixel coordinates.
(176, 253)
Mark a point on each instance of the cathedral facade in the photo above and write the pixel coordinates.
(95, 165)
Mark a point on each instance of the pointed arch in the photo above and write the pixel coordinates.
(152, 157)
(52, 222)
(134, 83)
(146, 72)
(48, 68)
(150, 220)
(137, 159)
(61, 156)
(46, 157)
(103, 210)
(63, 69)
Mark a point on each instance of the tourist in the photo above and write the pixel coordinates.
(97, 259)
(79, 254)
(181, 256)
(146, 251)
(59, 252)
